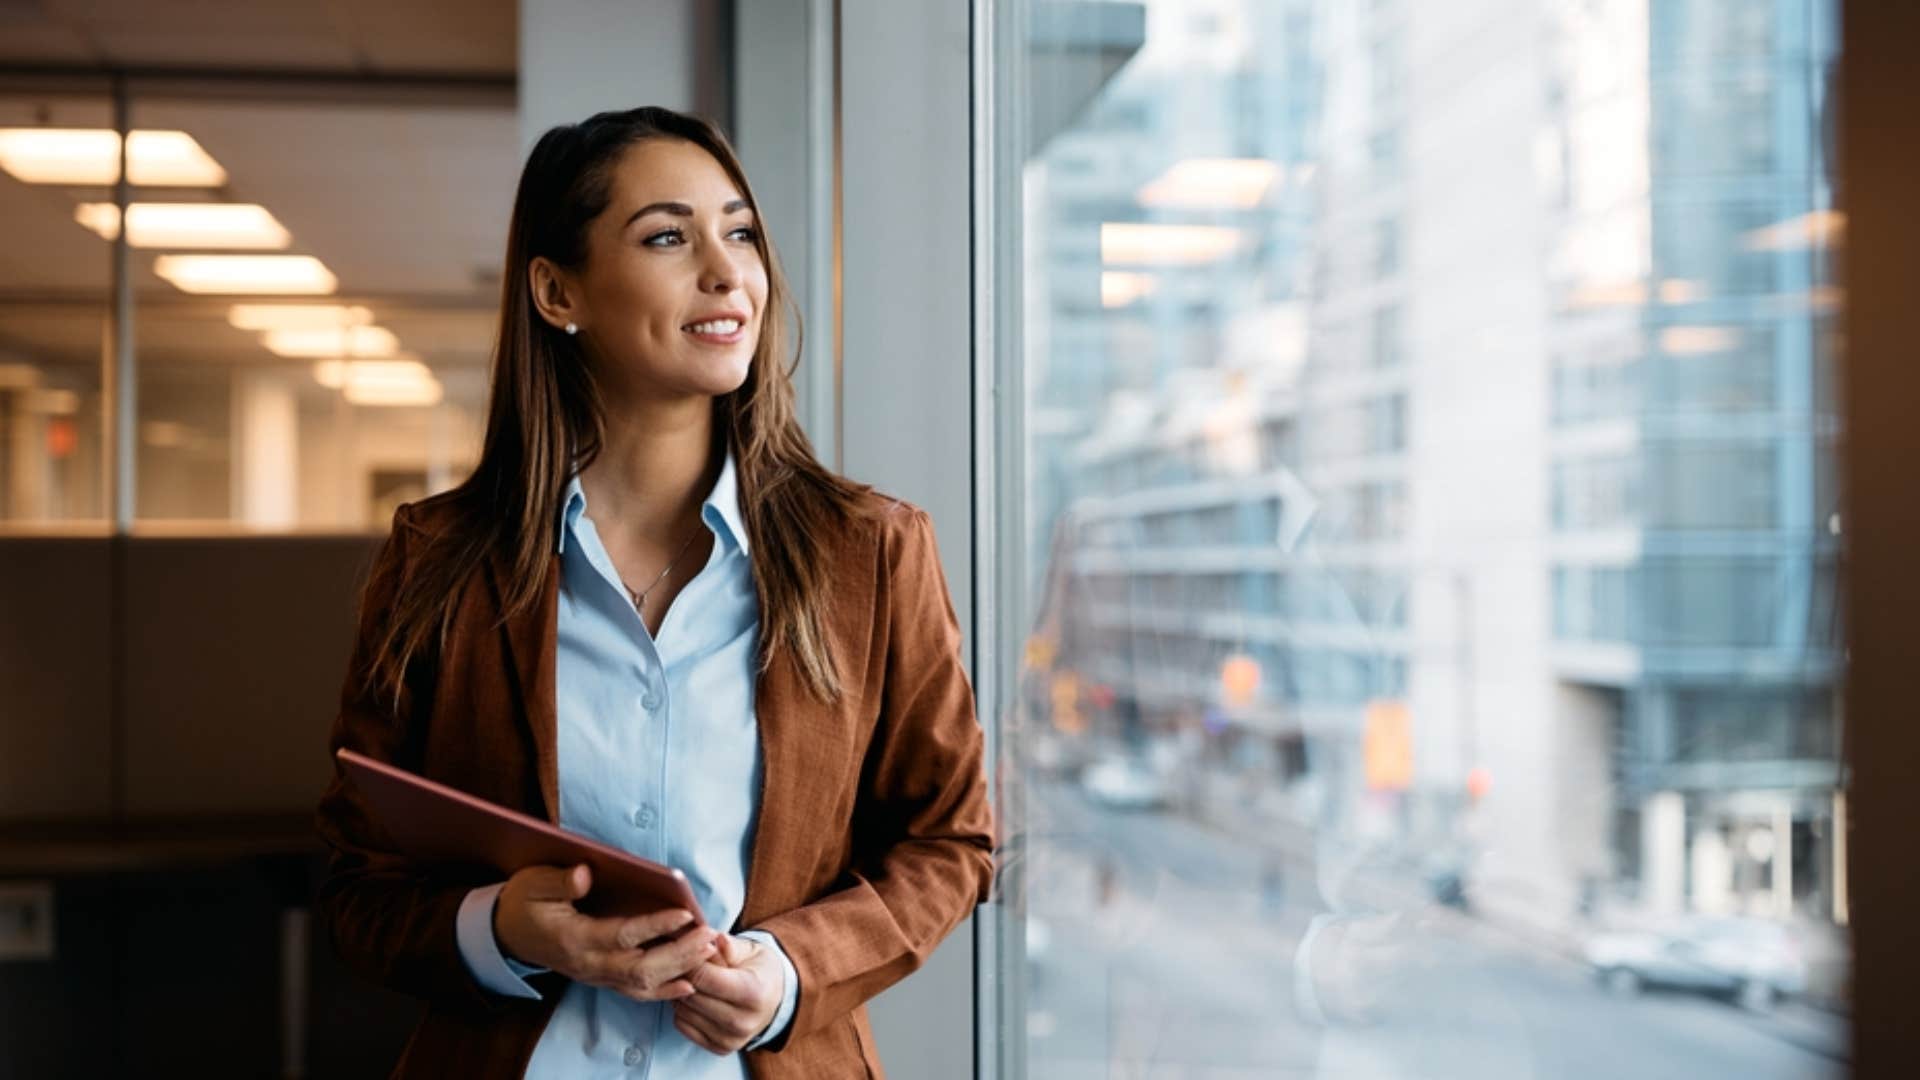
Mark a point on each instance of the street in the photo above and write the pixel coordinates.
(1165, 949)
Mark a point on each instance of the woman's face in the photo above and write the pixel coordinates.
(670, 299)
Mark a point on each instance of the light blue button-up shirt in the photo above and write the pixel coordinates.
(659, 754)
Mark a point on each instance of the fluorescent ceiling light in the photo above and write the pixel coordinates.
(1821, 228)
(1165, 244)
(297, 316)
(1212, 184)
(91, 156)
(1118, 288)
(332, 341)
(335, 374)
(1681, 291)
(1607, 294)
(418, 395)
(1698, 340)
(243, 274)
(380, 382)
(188, 225)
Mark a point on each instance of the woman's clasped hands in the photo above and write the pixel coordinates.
(725, 989)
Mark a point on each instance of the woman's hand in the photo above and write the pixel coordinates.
(1367, 967)
(535, 922)
(735, 996)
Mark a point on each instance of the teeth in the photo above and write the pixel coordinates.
(717, 326)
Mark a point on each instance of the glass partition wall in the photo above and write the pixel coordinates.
(312, 272)
(55, 296)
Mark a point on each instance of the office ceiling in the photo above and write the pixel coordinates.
(467, 37)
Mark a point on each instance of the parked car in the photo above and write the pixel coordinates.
(1125, 784)
(1059, 756)
(1754, 961)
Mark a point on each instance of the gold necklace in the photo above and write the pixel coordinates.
(640, 596)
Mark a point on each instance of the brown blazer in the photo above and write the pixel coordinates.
(874, 834)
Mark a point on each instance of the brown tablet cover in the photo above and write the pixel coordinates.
(434, 822)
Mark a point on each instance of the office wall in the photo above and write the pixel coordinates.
(579, 57)
(55, 689)
(865, 137)
(234, 655)
(907, 379)
(227, 654)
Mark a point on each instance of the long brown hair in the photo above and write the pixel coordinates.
(546, 421)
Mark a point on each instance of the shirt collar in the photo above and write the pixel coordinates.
(721, 510)
(723, 502)
(572, 505)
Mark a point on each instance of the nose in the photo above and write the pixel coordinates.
(719, 272)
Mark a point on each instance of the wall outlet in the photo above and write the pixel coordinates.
(26, 920)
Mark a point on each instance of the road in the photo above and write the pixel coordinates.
(1168, 954)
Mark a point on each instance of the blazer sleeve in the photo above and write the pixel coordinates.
(922, 820)
(388, 919)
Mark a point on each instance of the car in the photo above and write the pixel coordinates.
(1752, 960)
(1125, 784)
(1057, 756)
(1039, 938)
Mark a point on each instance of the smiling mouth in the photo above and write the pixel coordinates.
(719, 329)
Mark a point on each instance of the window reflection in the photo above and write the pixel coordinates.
(1433, 632)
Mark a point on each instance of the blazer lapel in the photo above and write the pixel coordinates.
(778, 698)
(532, 640)
(806, 752)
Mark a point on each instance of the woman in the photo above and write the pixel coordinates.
(654, 618)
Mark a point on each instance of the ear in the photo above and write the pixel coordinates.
(553, 294)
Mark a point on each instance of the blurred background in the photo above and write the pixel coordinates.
(1431, 511)
(204, 428)
(1387, 458)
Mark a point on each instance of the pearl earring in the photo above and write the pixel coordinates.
(572, 329)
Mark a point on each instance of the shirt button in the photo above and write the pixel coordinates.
(644, 816)
(651, 702)
(635, 1056)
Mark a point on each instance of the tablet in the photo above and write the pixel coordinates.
(435, 823)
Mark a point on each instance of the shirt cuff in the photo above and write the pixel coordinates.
(789, 994)
(493, 969)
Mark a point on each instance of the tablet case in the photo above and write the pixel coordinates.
(436, 823)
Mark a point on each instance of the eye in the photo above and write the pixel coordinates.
(661, 238)
(747, 233)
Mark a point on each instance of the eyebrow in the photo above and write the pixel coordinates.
(680, 209)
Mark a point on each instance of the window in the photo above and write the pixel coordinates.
(1738, 379)
(1597, 493)
(1699, 485)
(1594, 603)
(1510, 533)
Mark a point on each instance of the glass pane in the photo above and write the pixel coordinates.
(54, 299)
(1429, 520)
(321, 389)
